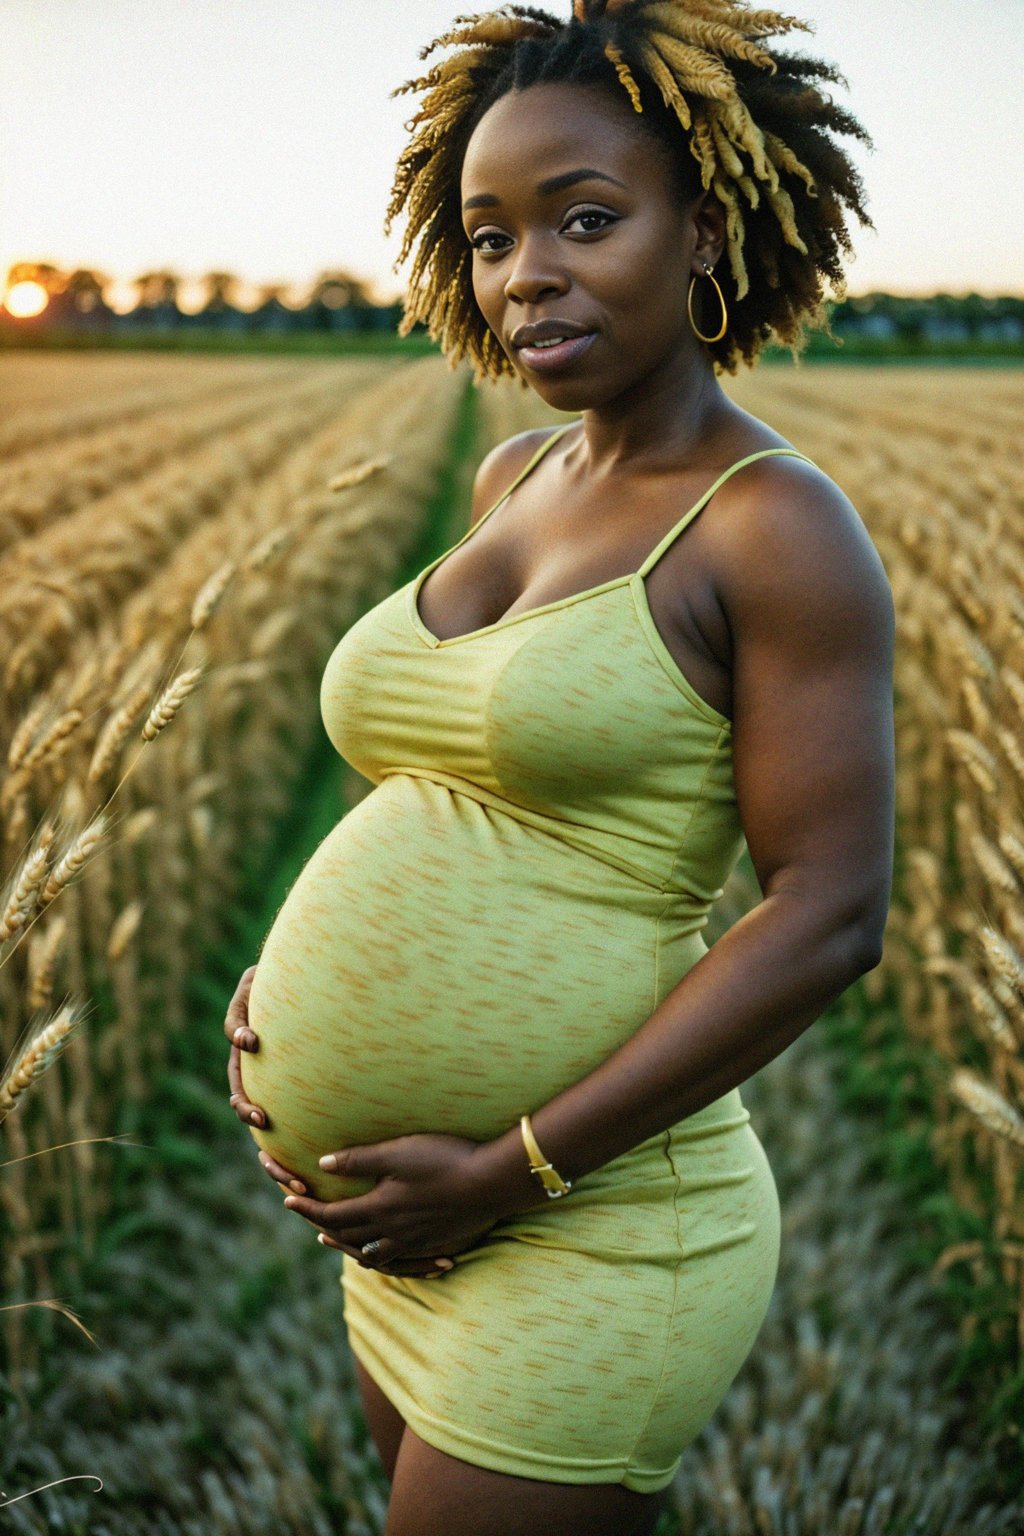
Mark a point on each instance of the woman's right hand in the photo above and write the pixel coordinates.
(236, 1027)
(244, 1038)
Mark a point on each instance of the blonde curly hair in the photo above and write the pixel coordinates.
(737, 116)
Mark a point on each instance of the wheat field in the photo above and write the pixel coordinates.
(183, 540)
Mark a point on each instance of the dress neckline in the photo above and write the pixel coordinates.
(633, 579)
(507, 620)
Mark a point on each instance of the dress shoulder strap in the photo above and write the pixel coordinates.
(549, 442)
(534, 459)
(688, 516)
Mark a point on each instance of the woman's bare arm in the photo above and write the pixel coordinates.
(810, 612)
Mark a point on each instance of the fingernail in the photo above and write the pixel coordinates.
(445, 1263)
(256, 1117)
(297, 1185)
(329, 1161)
(290, 1204)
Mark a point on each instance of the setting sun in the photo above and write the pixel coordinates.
(25, 299)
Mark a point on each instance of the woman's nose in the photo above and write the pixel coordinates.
(534, 273)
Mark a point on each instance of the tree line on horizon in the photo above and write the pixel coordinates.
(337, 300)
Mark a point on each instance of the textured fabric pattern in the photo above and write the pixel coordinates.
(553, 813)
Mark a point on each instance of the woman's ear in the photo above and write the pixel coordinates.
(708, 215)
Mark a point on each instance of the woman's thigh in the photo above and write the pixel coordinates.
(383, 1418)
(434, 1492)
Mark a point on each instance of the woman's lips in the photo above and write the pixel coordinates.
(543, 359)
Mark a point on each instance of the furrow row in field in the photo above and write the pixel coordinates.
(32, 425)
(61, 377)
(57, 481)
(869, 416)
(886, 459)
(68, 577)
(931, 392)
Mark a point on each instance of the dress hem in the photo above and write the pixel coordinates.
(458, 1442)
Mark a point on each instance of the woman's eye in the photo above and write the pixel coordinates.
(591, 213)
(477, 241)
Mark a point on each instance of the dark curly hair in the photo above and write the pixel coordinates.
(733, 114)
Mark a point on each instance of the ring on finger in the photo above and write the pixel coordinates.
(372, 1249)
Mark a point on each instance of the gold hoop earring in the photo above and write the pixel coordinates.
(689, 306)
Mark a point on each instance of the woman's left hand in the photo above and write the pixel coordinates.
(430, 1198)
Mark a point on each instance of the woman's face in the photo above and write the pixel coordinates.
(612, 252)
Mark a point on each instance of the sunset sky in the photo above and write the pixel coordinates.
(257, 136)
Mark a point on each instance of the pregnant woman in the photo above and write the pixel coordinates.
(485, 1042)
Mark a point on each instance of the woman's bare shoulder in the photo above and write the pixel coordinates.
(500, 466)
(796, 569)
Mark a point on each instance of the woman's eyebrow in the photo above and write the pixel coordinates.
(552, 184)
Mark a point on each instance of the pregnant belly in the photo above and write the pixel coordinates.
(440, 966)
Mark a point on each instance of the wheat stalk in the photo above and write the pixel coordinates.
(169, 702)
(989, 1106)
(25, 897)
(210, 594)
(38, 1054)
(1003, 957)
(73, 860)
